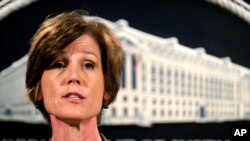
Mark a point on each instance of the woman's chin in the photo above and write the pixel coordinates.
(74, 117)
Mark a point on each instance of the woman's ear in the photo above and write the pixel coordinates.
(39, 101)
(39, 97)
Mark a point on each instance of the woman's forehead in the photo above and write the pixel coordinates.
(85, 44)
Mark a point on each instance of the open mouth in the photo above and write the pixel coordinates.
(74, 96)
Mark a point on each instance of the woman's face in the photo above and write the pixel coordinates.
(73, 87)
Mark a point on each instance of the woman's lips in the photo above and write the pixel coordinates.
(74, 97)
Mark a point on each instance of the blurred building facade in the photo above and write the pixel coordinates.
(164, 81)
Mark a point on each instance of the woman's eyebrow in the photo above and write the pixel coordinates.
(65, 53)
(90, 53)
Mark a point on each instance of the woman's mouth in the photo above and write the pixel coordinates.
(73, 97)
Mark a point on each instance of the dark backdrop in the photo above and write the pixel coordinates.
(196, 23)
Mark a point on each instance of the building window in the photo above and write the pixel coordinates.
(169, 112)
(189, 84)
(154, 112)
(182, 83)
(162, 112)
(161, 79)
(168, 81)
(176, 74)
(169, 102)
(177, 113)
(125, 99)
(125, 112)
(153, 79)
(134, 66)
(195, 84)
(183, 103)
(136, 99)
(123, 80)
(162, 102)
(154, 102)
(190, 113)
(113, 112)
(177, 102)
(184, 113)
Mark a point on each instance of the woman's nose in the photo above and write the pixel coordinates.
(74, 76)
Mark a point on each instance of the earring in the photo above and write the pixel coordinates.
(38, 104)
(105, 106)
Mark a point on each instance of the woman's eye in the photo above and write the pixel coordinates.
(89, 66)
(58, 65)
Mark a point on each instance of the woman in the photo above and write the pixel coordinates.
(73, 72)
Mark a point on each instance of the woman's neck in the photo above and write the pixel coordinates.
(77, 131)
